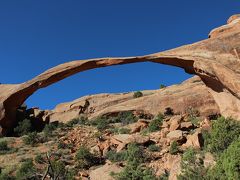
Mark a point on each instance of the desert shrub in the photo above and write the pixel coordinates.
(6, 176)
(135, 153)
(224, 132)
(228, 165)
(98, 135)
(48, 129)
(84, 158)
(164, 176)
(124, 117)
(23, 127)
(192, 166)
(137, 94)
(174, 148)
(80, 120)
(153, 148)
(155, 124)
(168, 111)
(124, 131)
(27, 170)
(61, 145)
(194, 120)
(134, 169)
(113, 130)
(71, 173)
(101, 123)
(72, 122)
(116, 156)
(31, 139)
(162, 86)
(39, 159)
(3, 147)
(192, 113)
(58, 169)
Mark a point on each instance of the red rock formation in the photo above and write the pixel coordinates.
(215, 60)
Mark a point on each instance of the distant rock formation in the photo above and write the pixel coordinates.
(215, 60)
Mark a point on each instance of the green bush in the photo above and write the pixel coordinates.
(162, 86)
(168, 111)
(116, 156)
(61, 145)
(24, 127)
(31, 139)
(58, 169)
(26, 171)
(124, 117)
(194, 120)
(84, 157)
(6, 176)
(228, 165)
(174, 148)
(153, 148)
(164, 176)
(71, 173)
(137, 94)
(135, 153)
(192, 166)
(134, 169)
(48, 129)
(223, 133)
(80, 120)
(39, 159)
(4, 146)
(155, 124)
(101, 123)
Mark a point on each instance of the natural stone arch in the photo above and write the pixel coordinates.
(215, 60)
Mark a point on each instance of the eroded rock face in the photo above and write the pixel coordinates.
(191, 93)
(215, 60)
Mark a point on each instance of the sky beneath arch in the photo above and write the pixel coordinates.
(37, 35)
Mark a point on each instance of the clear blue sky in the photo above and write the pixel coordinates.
(36, 35)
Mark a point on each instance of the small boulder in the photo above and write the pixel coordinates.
(194, 140)
(104, 172)
(186, 126)
(209, 160)
(175, 135)
(175, 122)
(206, 124)
(138, 126)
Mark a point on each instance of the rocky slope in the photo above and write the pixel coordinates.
(215, 60)
(189, 94)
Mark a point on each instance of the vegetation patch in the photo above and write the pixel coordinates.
(174, 148)
(24, 127)
(224, 132)
(137, 94)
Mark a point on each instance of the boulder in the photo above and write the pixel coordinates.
(209, 160)
(206, 124)
(186, 126)
(175, 122)
(138, 126)
(195, 140)
(104, 172)
(176, 135)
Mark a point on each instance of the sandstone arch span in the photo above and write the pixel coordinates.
(215, 60)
